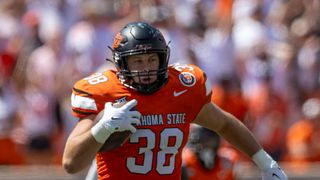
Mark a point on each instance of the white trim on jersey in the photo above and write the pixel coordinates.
(83, 102)
(208, 87)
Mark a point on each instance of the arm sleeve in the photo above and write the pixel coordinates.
(85, 100)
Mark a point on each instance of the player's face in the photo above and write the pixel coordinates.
(144, 63)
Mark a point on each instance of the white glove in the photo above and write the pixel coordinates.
(270, 168)
(116, 120)
(274, 173)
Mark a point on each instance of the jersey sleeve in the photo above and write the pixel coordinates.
(202, 89)
(86, 99)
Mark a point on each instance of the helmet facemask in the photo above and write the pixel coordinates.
(126, 75)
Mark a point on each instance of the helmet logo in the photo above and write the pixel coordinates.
(187, 79)
(143, 46)
(117, 40)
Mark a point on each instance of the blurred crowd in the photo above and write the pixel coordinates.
(262, 57)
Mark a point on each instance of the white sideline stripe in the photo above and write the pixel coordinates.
(83, 102)
(208, 87)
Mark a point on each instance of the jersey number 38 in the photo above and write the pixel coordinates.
(147, 152)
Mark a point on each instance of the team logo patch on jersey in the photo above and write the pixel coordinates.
(187, 79)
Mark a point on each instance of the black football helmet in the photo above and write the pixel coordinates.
(140, 38)
(204, 143)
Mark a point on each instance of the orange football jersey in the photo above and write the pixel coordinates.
(154, 151)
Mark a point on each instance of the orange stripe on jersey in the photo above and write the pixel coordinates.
(80, 113)
(78, 91)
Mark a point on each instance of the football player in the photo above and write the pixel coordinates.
(161, 102)
(203, 159)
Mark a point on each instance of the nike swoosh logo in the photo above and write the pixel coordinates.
(175, 94)
(275, 175)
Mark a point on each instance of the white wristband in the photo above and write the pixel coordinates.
(100, 133)
(263, 160)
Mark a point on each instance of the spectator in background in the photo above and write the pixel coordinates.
(228, 96)
(267, 117)
(210, 41)
(10, 44)
(308, 65)
(38, 109)
(303, 137)
(204, 159)
(10, 151)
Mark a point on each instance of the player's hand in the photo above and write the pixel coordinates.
(274, 173)
(116, 119)
(120, 119)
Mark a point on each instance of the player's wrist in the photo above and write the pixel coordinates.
(263, 160)
(100, 132)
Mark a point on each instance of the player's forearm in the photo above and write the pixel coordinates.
(239, 135)
(214, 118)
(79, 152)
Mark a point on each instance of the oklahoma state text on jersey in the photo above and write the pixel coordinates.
(154, 151)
